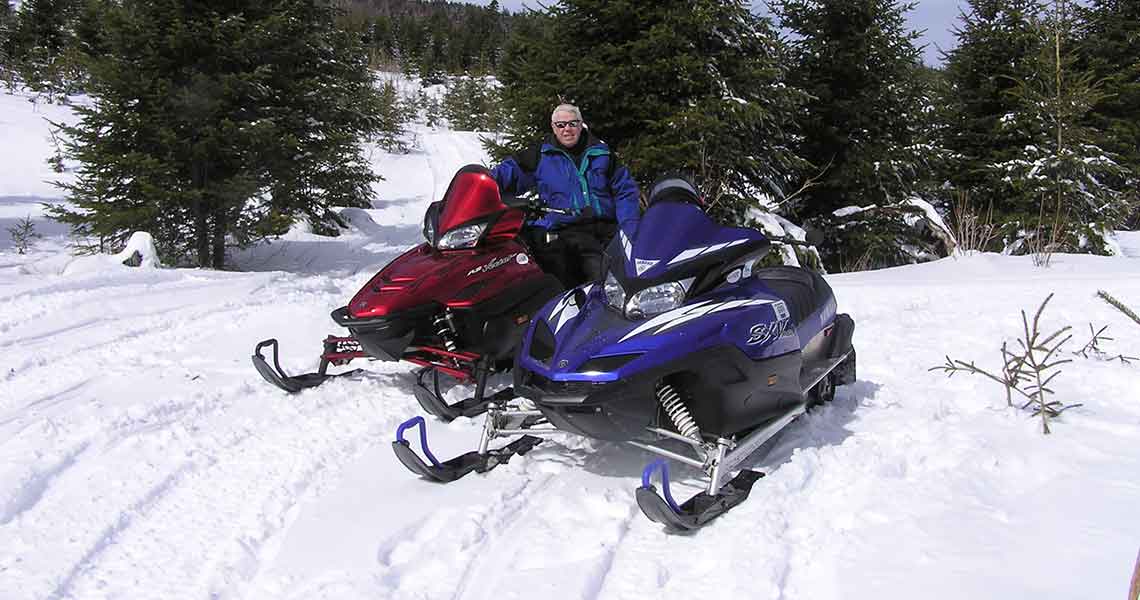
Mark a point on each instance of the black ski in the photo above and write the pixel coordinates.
(294, 383)
(450, 470)
(696, 511)
(432, 400)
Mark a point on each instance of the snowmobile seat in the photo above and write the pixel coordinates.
(803, 290)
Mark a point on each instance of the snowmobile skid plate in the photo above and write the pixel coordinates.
(450, 470)
(337, 351)
(430, 398)
(696, 511)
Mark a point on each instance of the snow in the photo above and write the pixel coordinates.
(142, 456)
(847, 211)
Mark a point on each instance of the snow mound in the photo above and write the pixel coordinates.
(139, 252)
(360, 220)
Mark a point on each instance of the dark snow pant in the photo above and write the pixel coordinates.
(574, 254)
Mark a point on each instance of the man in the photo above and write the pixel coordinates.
(573, 171)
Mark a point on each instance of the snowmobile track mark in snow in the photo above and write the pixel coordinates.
(109, 535)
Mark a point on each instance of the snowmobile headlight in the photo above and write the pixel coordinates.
(655, 300)
(461, 237)
(615, 295)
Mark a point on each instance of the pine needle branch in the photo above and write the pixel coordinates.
(1103, 295)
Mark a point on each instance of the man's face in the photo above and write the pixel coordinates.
(567, 128)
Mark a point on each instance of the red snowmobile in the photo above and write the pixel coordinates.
(456, 304)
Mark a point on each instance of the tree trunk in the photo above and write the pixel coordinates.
(218, 239)
(202, 232)
(201, 214)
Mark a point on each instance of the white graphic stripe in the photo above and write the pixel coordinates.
(564, 311)
(663, 318)
(570, 312)
(678, 316)
(694, 252)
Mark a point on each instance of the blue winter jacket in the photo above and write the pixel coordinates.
(610, 192)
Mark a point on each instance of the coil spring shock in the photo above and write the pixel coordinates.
(678, 413)
(445, 329)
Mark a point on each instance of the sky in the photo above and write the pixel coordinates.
(935, 18)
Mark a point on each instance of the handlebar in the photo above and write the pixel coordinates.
(530, 203)
(813, 237)
(789, 241)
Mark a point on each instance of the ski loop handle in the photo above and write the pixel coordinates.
(271, 342)
(412, 422)
(647, 474)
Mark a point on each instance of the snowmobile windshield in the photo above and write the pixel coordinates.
(472, 195)
(676, 232)
(674, 188)
(471, 211)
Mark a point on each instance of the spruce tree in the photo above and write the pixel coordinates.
(41, 36)
(1070, 192)
(1110, 50)
(472, 104)
(7, 68)
(393, 114)
(695, 87)
(865, 129)
(998, 42)
(212, 127)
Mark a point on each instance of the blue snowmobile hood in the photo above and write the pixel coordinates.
(579, 337)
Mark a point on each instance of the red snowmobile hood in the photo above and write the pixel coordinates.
(455, 278)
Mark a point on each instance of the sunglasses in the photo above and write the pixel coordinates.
(564, 124)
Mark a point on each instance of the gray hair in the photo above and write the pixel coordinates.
(570, 108)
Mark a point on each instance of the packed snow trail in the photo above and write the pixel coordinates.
(142, 456)
(123, 425)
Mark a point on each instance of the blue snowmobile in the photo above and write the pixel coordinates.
(687, 344)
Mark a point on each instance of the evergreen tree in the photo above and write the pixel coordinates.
(433, 39)
(383, 41)
(998, 40)
(1110, 50)
(1070, 191)
(41, 36)
(493, 31)
(7, 68)
(432, 108)
(218, 126)
(432, 63)
(394, 113)
(865, 128)
(695, 87)
(472, 104)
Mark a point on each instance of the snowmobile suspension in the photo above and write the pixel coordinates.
(720, 459)
(678, 413)
(458, 364)
(445, 328)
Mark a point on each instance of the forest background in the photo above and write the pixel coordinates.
(217, 127)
